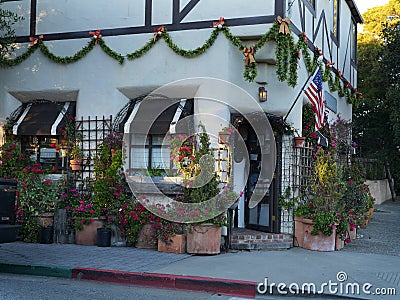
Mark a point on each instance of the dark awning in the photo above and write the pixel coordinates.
(43, 118)
(156, 116)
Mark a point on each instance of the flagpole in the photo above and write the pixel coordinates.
(297, 98)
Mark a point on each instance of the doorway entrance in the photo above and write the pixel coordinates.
(264, 216)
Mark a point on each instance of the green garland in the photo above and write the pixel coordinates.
(287, 56)
(118, 57)
(66, 59)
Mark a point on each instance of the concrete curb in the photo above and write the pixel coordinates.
(238, 288)
(37, 270)
(221, 286)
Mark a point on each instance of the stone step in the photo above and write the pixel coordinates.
(246, 239)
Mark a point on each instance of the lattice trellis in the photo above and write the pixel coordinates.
(92, 132)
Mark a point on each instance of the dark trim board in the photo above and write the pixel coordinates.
(148, 27)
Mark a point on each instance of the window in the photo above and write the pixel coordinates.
(44, 150)
(335, 19)
(154, 155)
(353, 41)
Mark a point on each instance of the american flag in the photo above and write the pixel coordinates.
(314, 94)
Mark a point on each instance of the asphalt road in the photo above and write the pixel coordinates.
(24, 287)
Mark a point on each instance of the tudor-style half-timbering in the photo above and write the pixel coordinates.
(102, 55)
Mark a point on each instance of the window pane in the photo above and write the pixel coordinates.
(139, 139)
(160, 158)
(158, 140)
(139, 158)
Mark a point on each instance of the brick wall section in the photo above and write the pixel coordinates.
(245, 239)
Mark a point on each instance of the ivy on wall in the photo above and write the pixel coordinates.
(287, 54)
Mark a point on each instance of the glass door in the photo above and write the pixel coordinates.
(263, 216)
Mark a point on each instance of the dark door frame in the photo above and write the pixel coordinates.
(275, 191)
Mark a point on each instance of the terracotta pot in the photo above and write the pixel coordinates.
(371, 212)
(46, 219)
(76, 164)
(339, 243)
(204, 239)
(298, 232)
(299, 141)
(319, 242)
(177, 244)
(224, 137)
(365, 221)
(353, 234)
(146, 238)
(88, 235)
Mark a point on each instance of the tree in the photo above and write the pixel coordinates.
(376, 125)
(7, 33)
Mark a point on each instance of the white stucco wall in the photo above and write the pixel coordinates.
(380, 190)
(98, 78)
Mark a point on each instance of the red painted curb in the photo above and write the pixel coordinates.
(169, 281)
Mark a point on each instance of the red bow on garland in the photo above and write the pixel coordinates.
(329, 64)
(249, 54)
(304, 37)
(35, 40)
(219, 23)
(96, 34)
(158, 31)
(339, 74)
(284, 28)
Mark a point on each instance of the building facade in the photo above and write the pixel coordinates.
(97, 59)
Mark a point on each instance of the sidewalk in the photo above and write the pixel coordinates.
(374, 258)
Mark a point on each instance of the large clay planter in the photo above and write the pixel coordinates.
(204, 239)
(365, 221)
(353, 234)
(339, 243)
(298, 232)
(371, 212)
(319, 242)
(88, 235)
(146, 238)
(177, 244)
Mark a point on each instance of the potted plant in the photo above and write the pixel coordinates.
(104, 233)
(38, 197)
(225, 135)
(138, 225)
(86, 217)
(320, 210)
(201, 185)
(171, 237)
(76, 157)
